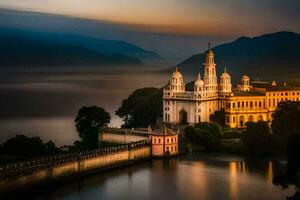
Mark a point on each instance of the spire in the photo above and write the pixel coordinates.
(225, 69)
(199, 76)
(176, 69)
(209, 46)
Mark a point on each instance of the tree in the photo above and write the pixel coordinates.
(50, 148)
(256, 138)
(21, 145)
(285, 126)
(141, 108)
(88, 122)
(204, 135)
(218, 117)
(286, 118)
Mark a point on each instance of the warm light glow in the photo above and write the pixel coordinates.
(176, 16)
(270, 171)
(233, 168)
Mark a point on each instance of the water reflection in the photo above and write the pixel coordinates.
(40, 94)
(233, 180)
(270, 171)
(194, 176)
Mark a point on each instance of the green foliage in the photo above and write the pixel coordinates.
(190, 86)
(204, 136)
(21, 145)
(219, 117)
(293, 152)
(232, 134)
(257, 139)
(286, 118)
(141, 108)
(88, 122)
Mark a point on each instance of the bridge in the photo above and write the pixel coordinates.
(123, 136)
(134, 145)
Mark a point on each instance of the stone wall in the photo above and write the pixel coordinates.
(22, 174)
(123, 136)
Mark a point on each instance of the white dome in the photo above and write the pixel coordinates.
(176, 74)
(245, 77)
(210, 53)
(225, 75)
(199, 82)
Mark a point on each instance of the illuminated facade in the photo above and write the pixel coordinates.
(164, 142)
(242, 104)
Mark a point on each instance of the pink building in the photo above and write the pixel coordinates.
(164, 142)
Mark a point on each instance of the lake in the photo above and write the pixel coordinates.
(44, 101)
(193, 176)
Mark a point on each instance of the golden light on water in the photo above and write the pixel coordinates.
(233, 176)
(270, 171)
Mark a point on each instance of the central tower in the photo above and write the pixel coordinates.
(210, 74)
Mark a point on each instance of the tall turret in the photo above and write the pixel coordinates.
(198, 86)
(210, 75)
(225, 83)
(245, 83)
(177, 83)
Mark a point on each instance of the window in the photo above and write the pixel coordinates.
(233, 105)
(172, 140)
(158, 140)
(233, 119)
(259, 104)
(154, 140)
(251, 104)
(168, 140)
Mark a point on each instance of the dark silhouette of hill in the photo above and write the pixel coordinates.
(262, 57)
(28, 48)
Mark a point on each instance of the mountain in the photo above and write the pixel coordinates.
(265, 57)
(22, 48)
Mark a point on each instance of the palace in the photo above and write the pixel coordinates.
(247, 102)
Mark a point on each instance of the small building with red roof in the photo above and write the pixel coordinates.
(164, 142)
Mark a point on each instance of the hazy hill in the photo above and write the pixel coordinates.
(22, 48)
(268, 56)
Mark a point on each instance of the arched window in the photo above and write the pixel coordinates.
(260, 118)
(242, 121)
(251, 118)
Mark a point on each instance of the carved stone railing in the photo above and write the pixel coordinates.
(29, 166)
(126, 131)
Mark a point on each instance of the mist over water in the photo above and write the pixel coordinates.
(44, 101)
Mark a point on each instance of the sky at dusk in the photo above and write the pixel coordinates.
(190, 17)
